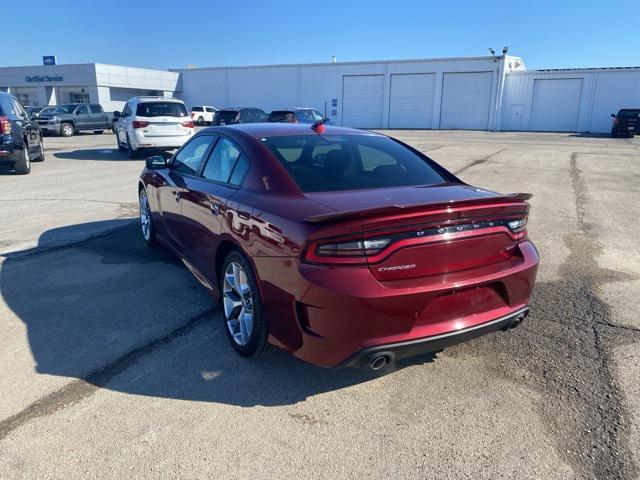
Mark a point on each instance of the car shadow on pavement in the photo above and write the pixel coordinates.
(122, 316)
(106, 154)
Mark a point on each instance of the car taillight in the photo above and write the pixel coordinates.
(187, 123)
(193, 114)
(5, 126)
(616, 121)
(518, 226)
(138, 124)
(350, 252)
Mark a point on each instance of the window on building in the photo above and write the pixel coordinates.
(76, 97)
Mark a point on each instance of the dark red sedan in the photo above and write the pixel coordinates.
(342, 247)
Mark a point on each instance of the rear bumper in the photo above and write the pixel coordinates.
(168, 142)
(8, 154)
(396, 351)
(329, 316)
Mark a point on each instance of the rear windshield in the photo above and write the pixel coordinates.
(161, 109)
(281, 116)
(227, 115)
(628, 113)
(197, 109)
(323, 163)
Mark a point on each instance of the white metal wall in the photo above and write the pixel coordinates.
(322, 86)
(602, 92)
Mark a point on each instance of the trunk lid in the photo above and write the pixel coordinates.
(431, 230)
(163, 126)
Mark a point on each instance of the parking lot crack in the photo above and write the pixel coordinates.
(80, 389)
(478, 161)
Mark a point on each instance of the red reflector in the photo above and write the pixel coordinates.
(188, 123)
(318, 127)
(5, 126)
(137, 124)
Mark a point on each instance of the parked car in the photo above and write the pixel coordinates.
(230, 116)
(152, 122)
(338, 246)
(203, 114)
(297, 115)
(20, 137)
(71, 118)
(626, 122)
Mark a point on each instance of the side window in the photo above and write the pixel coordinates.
(82, 110)
(245, 116)
(221, 161)
(187, 161)
(210, 109)
(96, 109)
(316, 116)
(127, 110)
(259, 116)
(6, 107)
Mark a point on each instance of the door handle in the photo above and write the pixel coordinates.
(215, 208)
(177, 195)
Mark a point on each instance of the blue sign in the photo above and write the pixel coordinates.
(49, 60)
(43, 78)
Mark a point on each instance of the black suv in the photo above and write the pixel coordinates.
(20, 137)
(626, 122)
(229, 116)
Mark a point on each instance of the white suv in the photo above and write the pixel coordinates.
(203, 114)
(152, 122)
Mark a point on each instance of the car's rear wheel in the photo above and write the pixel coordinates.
(120, 147)
(131, 153)
(67, 130)
(146, 221)
(23, 165)
(242, 309)
(200, 121)
(40, 156)
(98, 132)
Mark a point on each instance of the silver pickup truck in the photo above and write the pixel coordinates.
(71, 118)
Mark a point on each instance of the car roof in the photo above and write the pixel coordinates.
(260, 130)
(156, 99)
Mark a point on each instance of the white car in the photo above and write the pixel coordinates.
(203, 114)
(152, 122)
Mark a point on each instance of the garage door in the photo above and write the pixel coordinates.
(555, 104)
(411, 100)
(362, 101)
(466, 100)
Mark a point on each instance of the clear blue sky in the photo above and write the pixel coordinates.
(165, 34)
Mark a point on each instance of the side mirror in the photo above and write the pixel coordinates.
(156, 162)
(116, 114)
(613, 115)
(325, 119)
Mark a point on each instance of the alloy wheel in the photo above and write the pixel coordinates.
(67, 130)
(238, 303)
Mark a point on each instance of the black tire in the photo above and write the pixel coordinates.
(40, 156)
(131, 153)
(67, 130)
(23, 165)
(257, 344)
(120, 147)
(98, 132)
(200, 121)
(614, 134)
(149, 235)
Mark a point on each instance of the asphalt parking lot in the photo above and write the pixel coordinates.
(115, 363)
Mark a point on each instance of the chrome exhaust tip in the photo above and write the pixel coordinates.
(378, 362)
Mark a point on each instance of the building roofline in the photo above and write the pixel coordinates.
(359, 62)
(572, 70)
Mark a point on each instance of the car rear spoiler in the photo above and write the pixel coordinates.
(369, 212)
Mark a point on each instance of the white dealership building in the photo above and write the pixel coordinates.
(477, 93)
